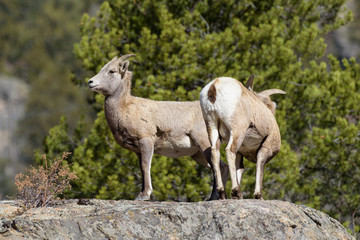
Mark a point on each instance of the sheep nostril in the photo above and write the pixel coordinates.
(90, 81)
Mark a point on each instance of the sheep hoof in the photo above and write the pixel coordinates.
(214, 196)
(236, 194)
(258, 196)
(222, 195)
(142, 198)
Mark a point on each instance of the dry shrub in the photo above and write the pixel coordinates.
(39, 186)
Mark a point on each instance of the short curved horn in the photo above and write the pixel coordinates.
(269, 92)
(124, 57)
(113, 59)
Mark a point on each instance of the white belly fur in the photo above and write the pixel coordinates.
(175, 147)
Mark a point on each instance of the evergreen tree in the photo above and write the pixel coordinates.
(182, 45)
(330, 157)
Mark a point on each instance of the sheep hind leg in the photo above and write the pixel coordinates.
(239, 171)
(236, 139)
(203, 156)
(231, 150)
(235, 188)
(215, 161)
(263, 156)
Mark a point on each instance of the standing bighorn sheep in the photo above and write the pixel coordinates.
(245, 120)
(144, 126)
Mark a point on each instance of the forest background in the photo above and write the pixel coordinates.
(52, 47)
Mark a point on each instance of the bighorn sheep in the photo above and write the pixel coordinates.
(144, 126)
(245, 120)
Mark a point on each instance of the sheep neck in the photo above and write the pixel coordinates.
(117, 101)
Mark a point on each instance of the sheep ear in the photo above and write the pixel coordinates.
(249, 83)
(124, 66)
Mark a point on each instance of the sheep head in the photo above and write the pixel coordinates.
(264, 96)
(111, 76)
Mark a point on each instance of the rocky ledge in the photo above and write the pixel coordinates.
(229, 219)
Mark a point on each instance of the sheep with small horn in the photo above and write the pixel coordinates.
(245, 120)
(147, 127)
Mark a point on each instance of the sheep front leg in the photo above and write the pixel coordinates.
(146, 146)
(204, 158)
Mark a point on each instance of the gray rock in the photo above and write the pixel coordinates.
(229, 219)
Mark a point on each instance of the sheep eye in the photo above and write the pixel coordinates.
(112, 71)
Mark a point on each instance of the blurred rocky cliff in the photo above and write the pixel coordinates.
(345, 41)
(13, 96)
